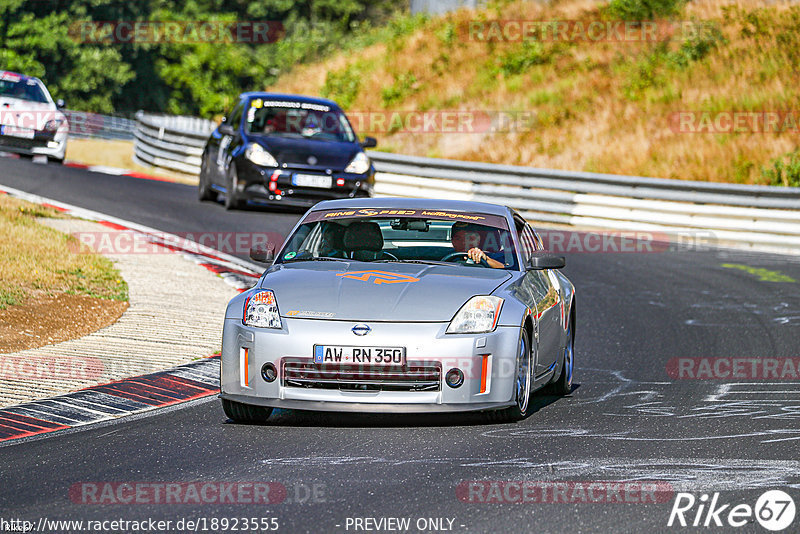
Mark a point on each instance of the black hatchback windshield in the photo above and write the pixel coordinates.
(298, 120)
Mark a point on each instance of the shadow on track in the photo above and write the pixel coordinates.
(303, 418)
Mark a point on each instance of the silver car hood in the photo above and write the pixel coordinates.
(359, 291)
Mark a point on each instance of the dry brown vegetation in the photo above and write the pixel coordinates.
(37, 261)
(597, 106)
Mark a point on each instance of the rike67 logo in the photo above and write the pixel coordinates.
(774, 510)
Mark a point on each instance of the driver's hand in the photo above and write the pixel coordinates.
(476, 255)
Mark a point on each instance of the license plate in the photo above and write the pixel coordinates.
(330, 354)
(312, 180)
(15, 131)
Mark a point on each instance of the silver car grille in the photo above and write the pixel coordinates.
(412, 377)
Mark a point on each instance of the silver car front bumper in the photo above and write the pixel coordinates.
(487, 360)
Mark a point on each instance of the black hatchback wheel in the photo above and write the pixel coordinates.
(232, 200)
(204, 191)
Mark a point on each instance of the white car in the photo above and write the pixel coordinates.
(31, 123)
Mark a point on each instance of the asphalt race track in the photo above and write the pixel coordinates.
(628, 418)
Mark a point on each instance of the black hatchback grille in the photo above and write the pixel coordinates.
(412, 377)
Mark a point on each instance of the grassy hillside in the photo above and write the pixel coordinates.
(606, 106)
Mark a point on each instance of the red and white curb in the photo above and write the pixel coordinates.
(116, 171)
(104, 402)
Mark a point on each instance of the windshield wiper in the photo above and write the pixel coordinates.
(315, 258)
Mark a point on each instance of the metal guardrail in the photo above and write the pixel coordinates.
(174, 143)
(761, 217)
(439, 7)
(757, 216)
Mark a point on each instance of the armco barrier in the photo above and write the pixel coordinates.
(758, 216)
(174, 143)
(761, 217)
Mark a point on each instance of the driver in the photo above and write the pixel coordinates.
(467, 237)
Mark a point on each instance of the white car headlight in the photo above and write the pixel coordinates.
(478, 315)
(261, 310)
(52, 125)
(359, 165)
(259, 156)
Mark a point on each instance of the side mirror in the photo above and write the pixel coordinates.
(60, 104)
(546, 261)
(262, 253)
(369, 142)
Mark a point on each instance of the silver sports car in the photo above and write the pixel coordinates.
(401, 305)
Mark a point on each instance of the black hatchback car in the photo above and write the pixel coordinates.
(285, 149)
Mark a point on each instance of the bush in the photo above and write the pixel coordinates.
(784, 173)
(517, 61)
(698, 45)
(643, 9)
(403, 86)
(343, 86)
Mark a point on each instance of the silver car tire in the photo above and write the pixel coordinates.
(522, 385)
(245, 413)
(563, 386)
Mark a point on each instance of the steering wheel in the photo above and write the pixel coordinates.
(395, 258)
(462, 256)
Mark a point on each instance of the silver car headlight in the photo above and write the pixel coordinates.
(359, 164)
(479, 314)
(261, 310)
(259, 156)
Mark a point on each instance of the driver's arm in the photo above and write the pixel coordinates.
(476, 255)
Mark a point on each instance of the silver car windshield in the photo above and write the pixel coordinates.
(401, 239)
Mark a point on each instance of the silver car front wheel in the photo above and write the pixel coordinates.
(522, 384)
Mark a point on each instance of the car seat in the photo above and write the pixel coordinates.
(363, 241)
